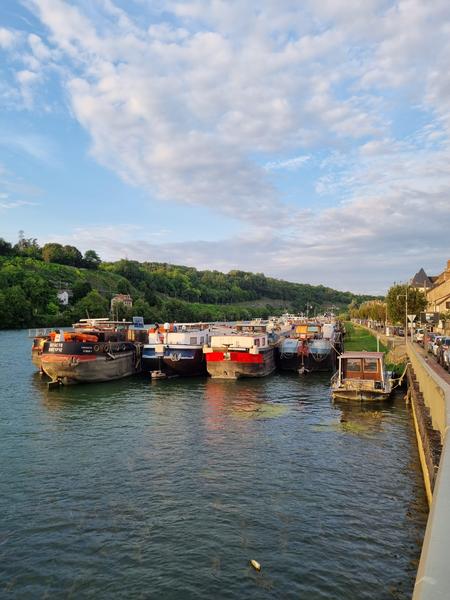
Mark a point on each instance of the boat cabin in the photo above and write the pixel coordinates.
(361, 376)
(362, 366)
(251, 342)
(193, 337)
(307, 331)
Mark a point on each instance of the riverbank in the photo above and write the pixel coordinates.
(359, 338)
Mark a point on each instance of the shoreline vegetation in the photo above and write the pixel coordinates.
(359, 338)
(31, 277)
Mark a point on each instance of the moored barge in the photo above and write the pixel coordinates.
(183, 352)
(246, 352)
(310, 347)
(96, 350)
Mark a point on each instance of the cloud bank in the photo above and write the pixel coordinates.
(208, 103)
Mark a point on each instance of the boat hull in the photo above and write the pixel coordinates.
(36, 355)
(151, 359)
(240, 364)
(71, 363)
(189, 362)
(307, 362)
(356, 395)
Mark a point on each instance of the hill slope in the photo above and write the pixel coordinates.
(160, 292)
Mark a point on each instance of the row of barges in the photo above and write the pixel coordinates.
(103, 350)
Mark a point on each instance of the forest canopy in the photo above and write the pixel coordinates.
(31, 277)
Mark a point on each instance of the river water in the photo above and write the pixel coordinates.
(167, 489)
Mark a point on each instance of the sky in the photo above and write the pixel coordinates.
(306, 140)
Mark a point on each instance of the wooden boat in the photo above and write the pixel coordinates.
(96, 350)
(361, 376)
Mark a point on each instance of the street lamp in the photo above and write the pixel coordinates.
(406, 311)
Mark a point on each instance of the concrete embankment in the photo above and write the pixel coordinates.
(429, 391)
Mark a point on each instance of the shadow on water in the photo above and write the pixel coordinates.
(95, 396)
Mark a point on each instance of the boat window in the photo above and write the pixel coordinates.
(257, 342)
(193, 340)
(370, 365)
(353, 364)
(202, 340)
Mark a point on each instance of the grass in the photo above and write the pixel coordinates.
(358, 339)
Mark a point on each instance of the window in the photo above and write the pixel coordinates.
(257, 342)
(370, 365)
(202, 339)
(193, 340)
(353, 364)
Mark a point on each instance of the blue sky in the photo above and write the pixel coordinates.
(306, 140)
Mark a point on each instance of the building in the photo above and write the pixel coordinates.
(124, 299)
(64, 296)
(438, 296)
(422, 281)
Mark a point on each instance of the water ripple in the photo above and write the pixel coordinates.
(166, 489)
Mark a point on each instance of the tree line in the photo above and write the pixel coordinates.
(51, 253)
(30, 276)
(393, 308)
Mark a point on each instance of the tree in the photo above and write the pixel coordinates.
(5, 248)
(80, 289)
(16, 310)
(28, 247)
(92, 305)
(396, 302)
(63, 255)
(53, 253)
(91, 259)
(72, 256)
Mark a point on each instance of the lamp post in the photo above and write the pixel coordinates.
(405, 295)
(406, 315)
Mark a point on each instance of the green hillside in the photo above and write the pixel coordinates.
(30, 278)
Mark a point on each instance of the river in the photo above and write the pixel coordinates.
(136, 489)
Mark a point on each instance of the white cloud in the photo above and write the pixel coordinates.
(7, 38)
(291, 164)
(33, 145)
(7, 205)
(182, 110)
(201, 102)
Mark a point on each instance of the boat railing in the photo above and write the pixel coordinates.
(40, 332)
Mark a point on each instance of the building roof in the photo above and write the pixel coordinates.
(421, 279)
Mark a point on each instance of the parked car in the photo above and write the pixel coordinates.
(430, 337)
(419, 335)
(435, 345)
(442, 349)
(446, 363)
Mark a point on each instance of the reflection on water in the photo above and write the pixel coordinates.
(168, 489)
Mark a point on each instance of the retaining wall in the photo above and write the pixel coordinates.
(433, 575)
